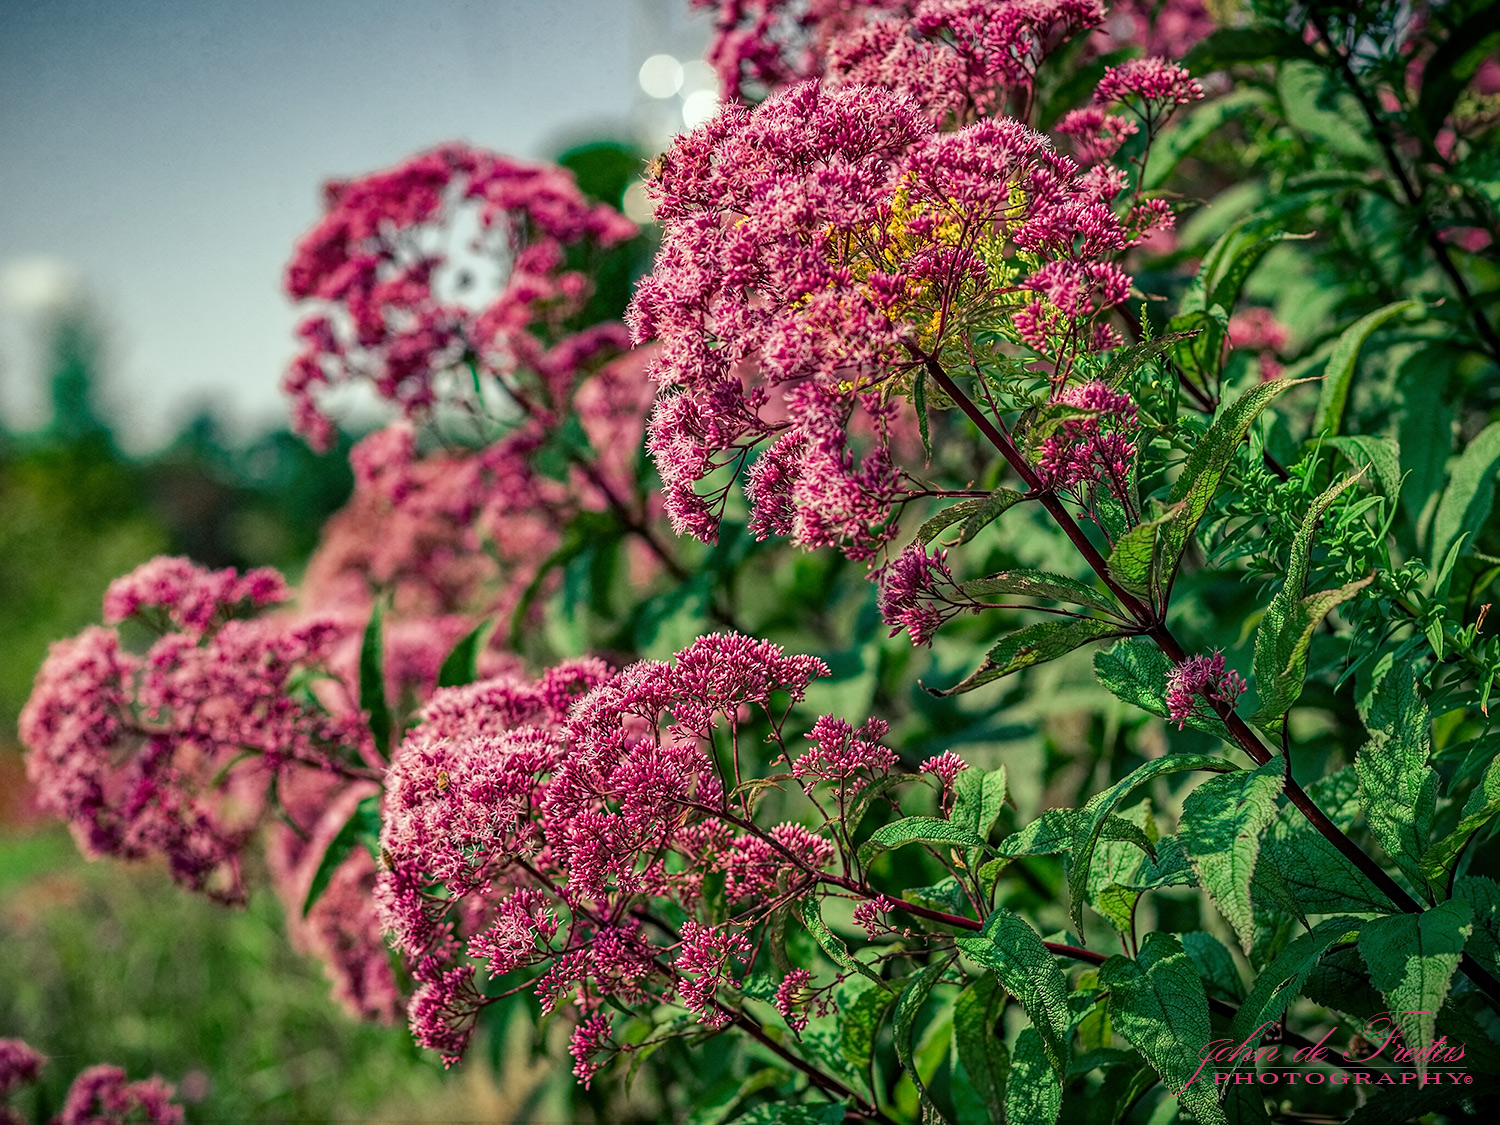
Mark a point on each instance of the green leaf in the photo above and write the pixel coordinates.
(1412, 958)
(978, 797)
(1455, 62)
(1339, 373)
(1299, 866)
(1134, 562)
(1481, 807)
(1286, 628)
(1048, 834)
(830, 943)
(1206, 465)
(372, 681)
(1039, 584)
(461, 665)
(1029, 972)
(1125, 362)
(1215, 965)
(1135, 671)
(918, 830)
(1483, 897)
(1281, 981)
(1092, 817)
(1383, 456)
(862, 1007)
(863, 799)
(1036, 643)
(1187, 131)
(907, 1008)
(1220, 830)
(1033, 1093)
(977, 1042)
(1398, 786)
(1231, 46)
(790, 1113)
(362, 827)
(1158, 1003)
(976, 515)
(1470, 493)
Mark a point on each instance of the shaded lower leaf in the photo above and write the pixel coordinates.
(1221, 826)
(1033, 1093)
(1157, 1002)
(907, 1008)
(1412, 959)
(978, 1046)
(362, 827)
(1029, 972)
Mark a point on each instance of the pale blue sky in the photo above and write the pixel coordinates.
(170, 151)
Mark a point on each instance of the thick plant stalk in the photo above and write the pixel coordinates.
(1151, 625)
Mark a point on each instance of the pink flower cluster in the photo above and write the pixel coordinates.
(539, 835)
(817, 249)
(919, 594)
(1201, 677)
(100, 1095)
(455, 263)
(1149, 87)
(171, 752)
(1093, 448)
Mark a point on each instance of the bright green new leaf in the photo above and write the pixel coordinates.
(1039, 584)
(1339, 374)
(1398, 786)
(1286, 628)
(1412, 958)
(1036, 643)
(979, 1047)
(986, 512)
(1029, 972)
(1381, 454)
(1033, 1093)
(1158, 1003)
(1220, 830)
(1092, 817)
(1135, 562)
(918, 830)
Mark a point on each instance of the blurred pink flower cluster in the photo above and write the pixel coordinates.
(100, 1095)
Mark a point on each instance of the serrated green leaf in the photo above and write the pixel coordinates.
(372, 680)
(461, 665)
(1033, 1093)
(1049, 833)
(1481, 807)
(1470, 494)
(1483, 897)
(1383, 456)
(978, 797)
(1157, 1002)
(1091, 818)
(1312, 874)
(830, 943)
(867, 794)
(987, 512)
(919, 404)
(1032, 644)
(1397, 784)
(1280, 982)
(362, 827)
(862, 1009)
(918, 830)
(1286, 628)
(1133, 563)
(791, 1113)
(1039, 584)
(1205, 468)
(1135, 670)
(1339, 374)
(1029, 972)
(979, 1047)
(1412, 959)
(907, 1008)
(1221, 826)
(989, 507)
(1125, 362)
